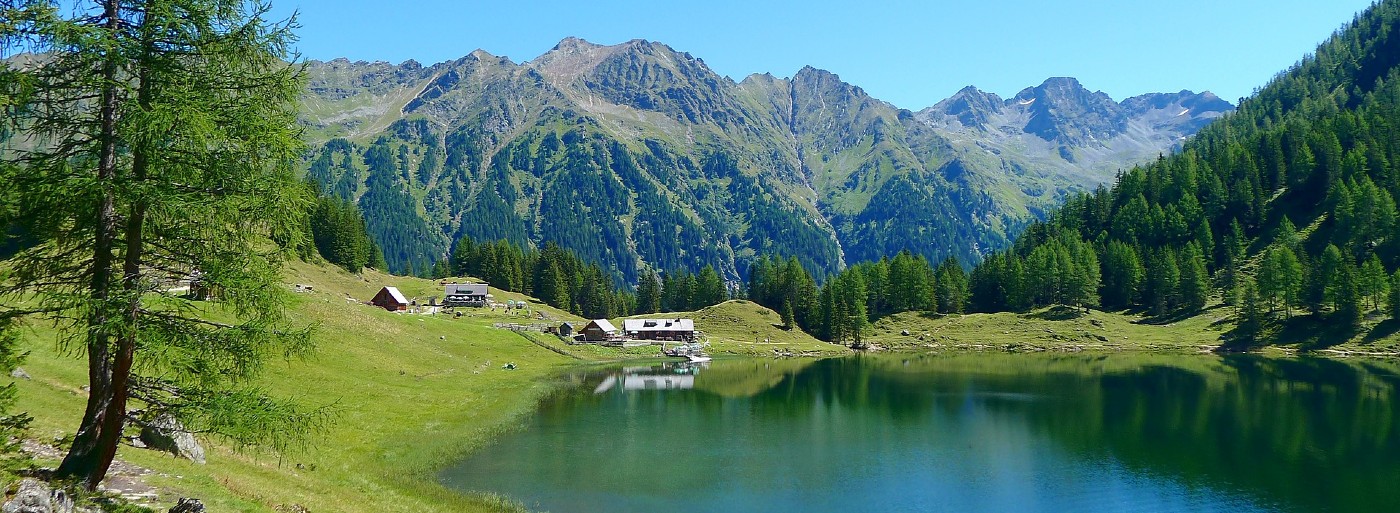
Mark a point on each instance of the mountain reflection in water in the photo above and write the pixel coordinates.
(959, 433)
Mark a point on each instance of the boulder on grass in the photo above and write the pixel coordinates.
(35, 496)
(187, 505)
(165, 433)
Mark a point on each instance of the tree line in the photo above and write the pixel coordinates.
(842, 308)
(336, 230)
(1319, 146)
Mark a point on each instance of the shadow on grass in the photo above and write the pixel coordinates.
(1222, 321)
(1383, 330)
(1168, 318)
(930, 314)
(1313, 332)
(1237, 341)
(1058, 313)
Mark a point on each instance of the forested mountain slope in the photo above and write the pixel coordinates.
(1286, 206)
(642, 159)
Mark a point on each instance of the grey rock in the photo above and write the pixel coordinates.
(19, 373)
(188, 505)
(165, 433)
(35, 496)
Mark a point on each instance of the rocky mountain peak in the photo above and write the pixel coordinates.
(972, 107)
(573, 44)
(1062, 110)
(822, 82)
(570, 59)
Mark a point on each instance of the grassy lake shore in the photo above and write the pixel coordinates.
(411, 393)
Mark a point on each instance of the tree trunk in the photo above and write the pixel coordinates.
(89, 456)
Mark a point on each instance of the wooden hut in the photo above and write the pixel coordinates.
(389, 298)
(598, 330)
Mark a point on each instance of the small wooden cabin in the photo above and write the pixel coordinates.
(389, 298)
(598, 330)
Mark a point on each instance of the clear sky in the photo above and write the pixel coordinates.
(910, 53)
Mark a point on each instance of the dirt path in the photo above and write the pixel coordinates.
(124, 479)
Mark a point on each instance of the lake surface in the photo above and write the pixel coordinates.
(997, 432)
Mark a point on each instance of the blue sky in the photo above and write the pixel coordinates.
(910, 53)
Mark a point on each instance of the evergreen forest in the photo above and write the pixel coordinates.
(1285, 211)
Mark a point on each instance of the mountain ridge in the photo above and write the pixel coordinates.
(807, 165)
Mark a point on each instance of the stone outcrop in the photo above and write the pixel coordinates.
(187, 505)
(165, 433)
(35, 496)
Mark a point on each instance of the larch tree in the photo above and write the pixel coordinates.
(648, 294)
(1375, 283)
(1251, 318)
(1395, 296)
(1194, 288)
(12, 89)
(160, 143)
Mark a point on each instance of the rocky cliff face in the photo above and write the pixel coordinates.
(642, 158)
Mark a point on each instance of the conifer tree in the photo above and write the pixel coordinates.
(760, 280)
(952, 286)
(1195, 281)
(1251, 320)
(855, 322)
(911, 283)
(1286, 235)
(1163, 278)
(1322, 283)
(1083, 286)
(709, 289)
(1395, 296)
(1347, 296)
(1122, 275)
(685, 292)
(1374, 282)
(1206, 240)
(170, 135)
(1230, 285)
(648, 294)
(1280, 279)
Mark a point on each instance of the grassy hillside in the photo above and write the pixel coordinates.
(408, 393)
(1062, 328)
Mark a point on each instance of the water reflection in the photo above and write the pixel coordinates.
(667, 376)
(963, 432)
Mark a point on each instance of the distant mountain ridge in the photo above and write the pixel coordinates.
(642, 158)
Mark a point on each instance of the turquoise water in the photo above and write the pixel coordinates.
(957, 433)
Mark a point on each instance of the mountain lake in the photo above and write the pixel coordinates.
(963, 432)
